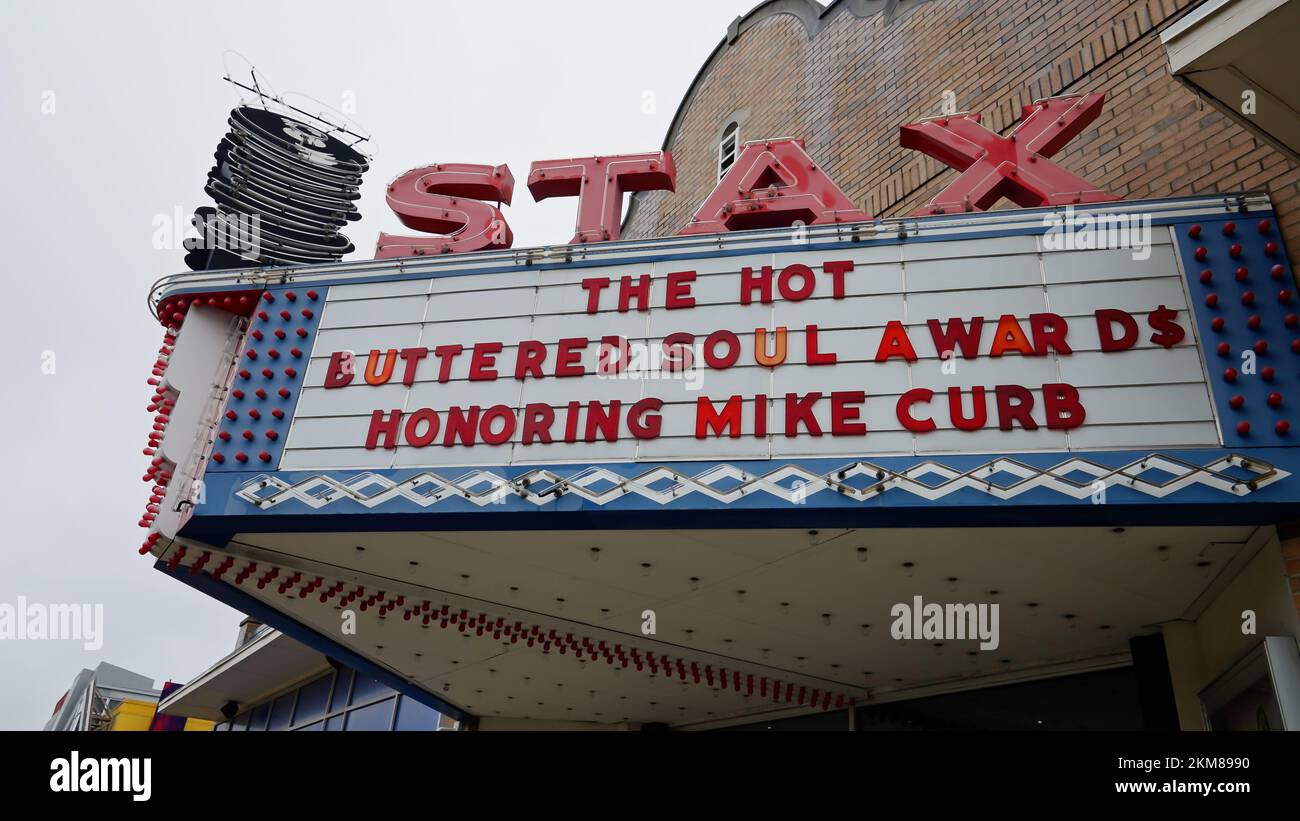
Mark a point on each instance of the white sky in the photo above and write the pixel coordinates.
(139, 107)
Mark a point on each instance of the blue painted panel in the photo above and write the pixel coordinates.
(269, 380)
(1245, 303)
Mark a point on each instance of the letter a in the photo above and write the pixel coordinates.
(772, 184)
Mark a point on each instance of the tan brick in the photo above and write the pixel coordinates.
(847, 90)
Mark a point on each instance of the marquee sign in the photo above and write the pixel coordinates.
(783, 359)
(981, 364)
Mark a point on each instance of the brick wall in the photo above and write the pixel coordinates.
(846, 91)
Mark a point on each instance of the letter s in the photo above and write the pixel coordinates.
(445, 199)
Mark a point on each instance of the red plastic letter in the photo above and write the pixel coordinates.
(772, 184)
(1015, 166)
(599, 184)
(444, 199)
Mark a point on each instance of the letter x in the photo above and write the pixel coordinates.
(1015, 166)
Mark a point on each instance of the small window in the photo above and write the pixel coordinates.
(258, 721)
(311, 700)
(282, 711)
(412, 715)
(342, 687)
(367, 689)
(377, 716)
(727, 148)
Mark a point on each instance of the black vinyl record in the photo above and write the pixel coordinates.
(271, 236)
(306, 207)
(242, 200)
(336, 244)
(245, 158)
(283, 189)
(301, 140)
(235, 161)
(217, 259)
(232, 246)
(269, 153)
(304, 152)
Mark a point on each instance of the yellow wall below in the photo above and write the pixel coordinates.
(136, 716)
(132, 716)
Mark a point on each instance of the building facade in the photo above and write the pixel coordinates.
(845, 76)
(269, 682)
(112, 699)
(949, 463)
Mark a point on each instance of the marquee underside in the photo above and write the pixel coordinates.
(800, 620)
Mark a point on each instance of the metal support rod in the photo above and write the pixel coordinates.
(258, 91)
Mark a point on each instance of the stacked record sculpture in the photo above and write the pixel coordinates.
(282, 189)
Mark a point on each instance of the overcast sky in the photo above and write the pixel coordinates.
(111, 113)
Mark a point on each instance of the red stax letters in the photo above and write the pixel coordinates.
(772, 184)
(445, 199)
(1015, 166)
(599, 184)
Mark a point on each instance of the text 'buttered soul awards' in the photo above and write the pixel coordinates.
(1007, 406)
